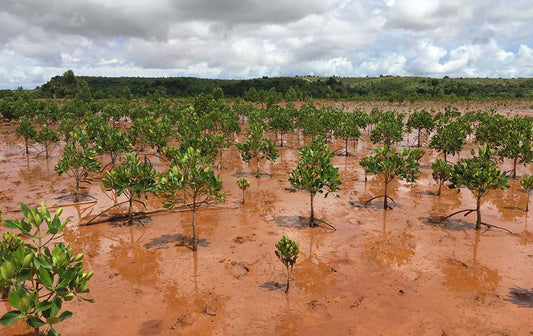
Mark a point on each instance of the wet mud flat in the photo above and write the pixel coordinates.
(394, 272)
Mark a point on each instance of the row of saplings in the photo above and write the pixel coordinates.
(38, 279)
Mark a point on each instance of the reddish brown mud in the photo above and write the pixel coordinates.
(393, 272)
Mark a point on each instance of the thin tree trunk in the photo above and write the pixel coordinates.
(385, 203)
(194, 235)
(130, 211)
(312, 219)
(514, 166)
(243, 196)
(346, 146)
(26, 142)
(77, 194)
(527, 204)
(288, 280)
(440, 187)
(257, 170)
(478, 212)
(419, 131)
(281, 139)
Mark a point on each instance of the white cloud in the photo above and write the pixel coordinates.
(250, 38)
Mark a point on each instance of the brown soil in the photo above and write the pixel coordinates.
(392, 272)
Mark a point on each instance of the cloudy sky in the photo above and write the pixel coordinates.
(252, 38)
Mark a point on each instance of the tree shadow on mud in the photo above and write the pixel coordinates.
(249, 175)
(272, 286)
(520, 297)
(179, 240)
(449, 224)
(427, 193)
(299, 222)
(374, 204)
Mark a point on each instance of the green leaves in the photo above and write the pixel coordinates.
(450, 138)
(287, 251)
(189, 177)
(442, 172)
(10, 317)
(190, 180)
(32, 269)
(243, 183)
(132, 177)
(7, 269)
(315, 172)
(389, 163)
(256, 147)
(388, 129)
(478, 174)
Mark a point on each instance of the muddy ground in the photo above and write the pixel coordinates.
(392, 272)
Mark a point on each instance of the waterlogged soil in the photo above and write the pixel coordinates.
(394, 272)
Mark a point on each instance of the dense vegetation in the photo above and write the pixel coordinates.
(266, 89)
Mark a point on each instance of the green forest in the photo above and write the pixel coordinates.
(267, 89)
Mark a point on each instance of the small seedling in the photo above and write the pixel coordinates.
(243, 183)
(527, 183)
(287, 252)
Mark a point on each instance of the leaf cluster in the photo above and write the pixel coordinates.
(315, 172)
(190, 177)
(388, 163)
(479, 174)
(132, 177)
(41, 277)
(287, 251)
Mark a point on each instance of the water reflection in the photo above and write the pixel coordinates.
(388, 249)
(510, 202)
(470, 276)
(527, 236)
(134, 262)
(312, 273)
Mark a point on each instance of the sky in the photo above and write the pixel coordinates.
(239, 39)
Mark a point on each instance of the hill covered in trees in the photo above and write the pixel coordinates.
(291, 88)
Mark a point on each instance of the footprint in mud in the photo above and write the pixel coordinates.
(242, 240)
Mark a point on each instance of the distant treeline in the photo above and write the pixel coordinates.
(388, 88)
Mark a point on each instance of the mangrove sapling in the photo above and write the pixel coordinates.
(420, 120)
(220, 142)
(442, 172)
(527, 183)
(25, 130)
(243, 184)
(112, 141)
(480, 175)
(516, 142)
(388, 129)
(42, 275)
(257, 147)
(280, 121)
(450, 139)
(47, 137)
(77, 162)
(190, 179)
(315, 172)
(287, 252)
(347, 128)
(131, 178)
(389, 163)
